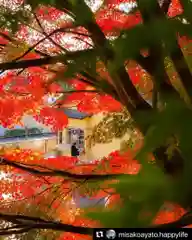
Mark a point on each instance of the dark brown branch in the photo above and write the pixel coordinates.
(44, 61)
(147, 63)
(80, 91)
(48, 36)
(13, 40)
(108, 89)
(178, 59)
(154, 97)
(28, 223)
(35, 45)
(176, 54)
(6, 231)
(180, 223)
(154, 64)
(127, 92)
(182, 69)
(29, 63)
(55, 172)
(122, 83)
(5, 36)
(61, 92)
(165, 6)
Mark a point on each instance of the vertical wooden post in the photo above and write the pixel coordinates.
(45, 146)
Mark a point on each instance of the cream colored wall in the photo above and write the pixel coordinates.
(101, 150)
(51, 144)
(77, 123)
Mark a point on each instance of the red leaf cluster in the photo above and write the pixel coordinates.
(52, 117)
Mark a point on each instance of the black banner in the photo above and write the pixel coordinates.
(142, 233)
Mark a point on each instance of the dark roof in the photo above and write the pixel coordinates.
(72, 113)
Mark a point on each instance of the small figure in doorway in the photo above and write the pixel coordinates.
(74, 150)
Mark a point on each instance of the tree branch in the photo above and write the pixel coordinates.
(108, 88)
(44, 61)
(13, 40)
(147, 63)
(28, 223)
(180, 223)
(30, 63)
(61, 92)
(178, 59)
(155, 66)
(165, 6)
(80, 91)
(55, 172)
(48, 36)
(127, 92)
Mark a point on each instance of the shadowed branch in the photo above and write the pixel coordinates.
(23, 224)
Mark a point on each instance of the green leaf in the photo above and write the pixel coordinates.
(80, 7)
(184, 133)
(142, 195)
(85, 61)
(152, 33)
(65, 85)
(163, 127)
(187, 6)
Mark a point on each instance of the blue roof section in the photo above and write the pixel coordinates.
(72, 113)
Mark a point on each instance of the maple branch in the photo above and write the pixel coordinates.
(127, 92)
(179, 61)
(182, 69)
(8, 38)
(147, 63)
(55, 172)
(13, 40)
(176, 54)
(108, 88)
(180, 223)
(35, 45)
(44, 61)
(30, 63)
(154, 64)
(48, 36)
(61, 92)
(165, 5)
(23, 224)
(80, 91)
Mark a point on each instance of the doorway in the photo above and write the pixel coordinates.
(76, 135)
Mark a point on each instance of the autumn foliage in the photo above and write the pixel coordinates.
(50, 50)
